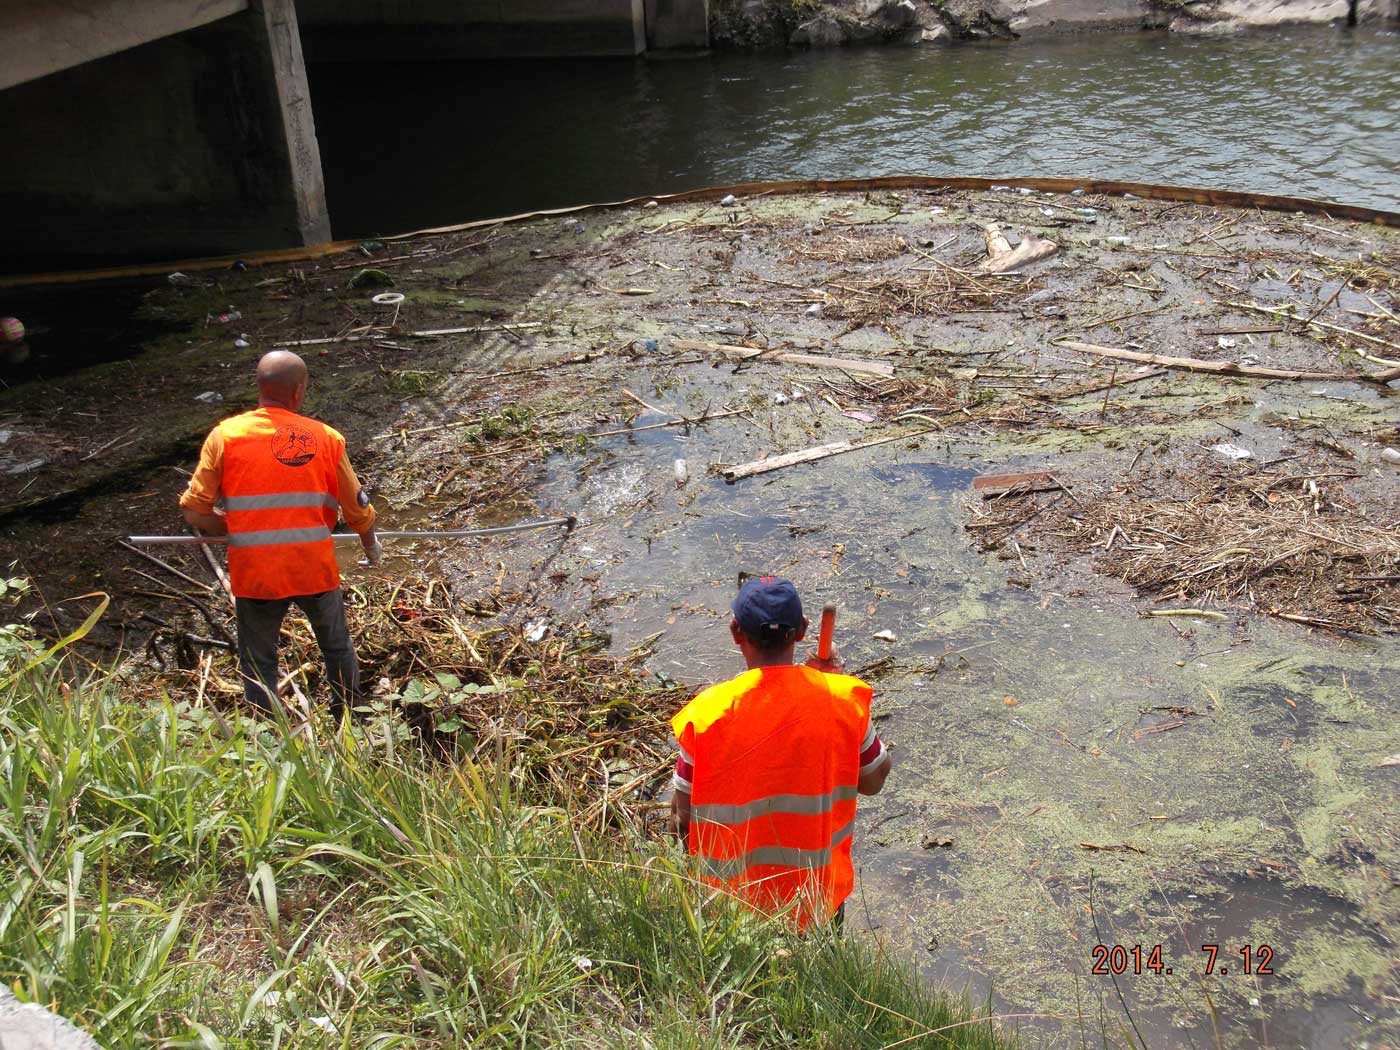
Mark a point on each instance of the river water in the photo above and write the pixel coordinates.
(1023, 721)
(1307, 112)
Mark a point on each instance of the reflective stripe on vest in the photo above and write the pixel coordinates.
(279, 500)
(806, 805)
(280, 488)
(730, 868)
(776, 759)
(278, 537)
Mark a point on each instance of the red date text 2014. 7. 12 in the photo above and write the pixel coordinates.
(1137, 959)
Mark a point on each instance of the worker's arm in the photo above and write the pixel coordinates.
(874, 763)
(197, 501)
(680, 815)
(871, 782)
(356, 508)
(682, 783)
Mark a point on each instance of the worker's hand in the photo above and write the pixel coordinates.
(374, 550)
(831, 665)
(214, 524)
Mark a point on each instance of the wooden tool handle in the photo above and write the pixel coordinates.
(828, 628)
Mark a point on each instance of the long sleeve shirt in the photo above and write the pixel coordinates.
(205, 485)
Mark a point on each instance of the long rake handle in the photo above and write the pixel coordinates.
(345, 537)
(828, 629)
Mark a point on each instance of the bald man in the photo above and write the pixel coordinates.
(280, 478)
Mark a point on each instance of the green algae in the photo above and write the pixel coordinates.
(1263, 800)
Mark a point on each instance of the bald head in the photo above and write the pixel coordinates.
(281, 379)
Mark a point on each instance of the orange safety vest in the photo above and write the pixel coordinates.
(776, 753)
(281, 498)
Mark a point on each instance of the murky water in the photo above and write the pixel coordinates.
(1311, 112)
(1036, 808)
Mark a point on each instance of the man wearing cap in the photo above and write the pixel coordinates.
(280, 477)
(771, 763)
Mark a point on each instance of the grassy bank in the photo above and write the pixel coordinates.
(177, 877)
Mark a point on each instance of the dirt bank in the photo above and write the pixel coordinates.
(1071, 769)
(838, 23)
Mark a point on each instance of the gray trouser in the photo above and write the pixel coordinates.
(260, 621)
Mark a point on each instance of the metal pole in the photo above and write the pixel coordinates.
(345, 537)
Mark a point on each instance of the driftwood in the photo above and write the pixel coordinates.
(1002, 258)
(1228, 368)
(844, 364)
(1001, 486)
(1278, 311)
(807, 455)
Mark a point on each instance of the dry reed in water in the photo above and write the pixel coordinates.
(1291, 544)
(577, 726)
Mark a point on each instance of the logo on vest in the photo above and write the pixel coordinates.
(294, 446)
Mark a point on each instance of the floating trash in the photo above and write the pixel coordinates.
(1230, 451)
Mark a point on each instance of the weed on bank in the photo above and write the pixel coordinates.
(177, 877)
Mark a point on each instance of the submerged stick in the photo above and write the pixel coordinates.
(845, 364)
(427, 333)
(1227, 368)
(166, 565)
(1278, 311)
(344, 537)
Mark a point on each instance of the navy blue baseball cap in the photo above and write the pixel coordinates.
(767, 605)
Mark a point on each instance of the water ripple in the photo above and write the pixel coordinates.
(1313, 112)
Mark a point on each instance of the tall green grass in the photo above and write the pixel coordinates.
(174, 878)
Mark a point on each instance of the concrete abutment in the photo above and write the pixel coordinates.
(152, 129)
(197, 142)
(417, 30)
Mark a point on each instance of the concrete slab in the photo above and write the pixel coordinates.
(201, 143)
(42, 37)
(27, 1026)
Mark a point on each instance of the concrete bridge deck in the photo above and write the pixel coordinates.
(170, 128)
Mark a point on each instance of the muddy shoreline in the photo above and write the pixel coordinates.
(769, 24)
(1030, 697)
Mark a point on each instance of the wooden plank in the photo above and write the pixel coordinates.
(991, 485)
(806, 455)
(844, 364)
(1258, 329)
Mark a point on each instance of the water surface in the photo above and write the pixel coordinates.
(1308, 112)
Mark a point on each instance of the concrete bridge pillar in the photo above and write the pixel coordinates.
(155, 129)
(678, 24)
